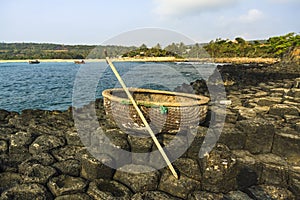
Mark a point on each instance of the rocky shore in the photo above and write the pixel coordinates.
(257, 155)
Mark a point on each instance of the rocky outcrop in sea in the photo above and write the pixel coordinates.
(256, 156)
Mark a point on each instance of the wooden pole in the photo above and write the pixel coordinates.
(165, 157)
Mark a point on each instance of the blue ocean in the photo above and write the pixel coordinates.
(59, 85)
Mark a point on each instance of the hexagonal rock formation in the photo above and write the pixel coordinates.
(219, 170)
(65, 184)
(108, 189)
(179, 188)
(26, 192)
(138, 182)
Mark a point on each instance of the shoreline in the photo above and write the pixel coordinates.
(234, 60)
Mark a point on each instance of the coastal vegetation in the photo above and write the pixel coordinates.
(16, 51)
(274, 47)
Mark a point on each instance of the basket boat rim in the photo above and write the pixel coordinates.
(197, 99)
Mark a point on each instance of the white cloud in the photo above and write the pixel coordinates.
(253, 15)
(189, 7)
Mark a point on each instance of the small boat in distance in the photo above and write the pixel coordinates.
(34, 62)
(79, 62)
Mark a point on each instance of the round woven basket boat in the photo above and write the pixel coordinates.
(163, 110)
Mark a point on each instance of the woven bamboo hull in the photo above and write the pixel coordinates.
(183, 110)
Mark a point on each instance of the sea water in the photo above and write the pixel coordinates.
(59, 85)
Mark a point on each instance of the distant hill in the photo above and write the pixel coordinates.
(10, 51)
(274, 47)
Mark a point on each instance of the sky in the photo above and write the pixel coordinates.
(98, 21)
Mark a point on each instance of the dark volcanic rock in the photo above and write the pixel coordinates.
(232, 137)
(112, 142)
(185, 88)
(108, 189)
(259, 135)
(45, 143)
(286, 143)
(140, 145)
(219, 170)
(138, 182)
(294, 180)
(294, 92)
(283, 109)
(268, 101)
(37, 173)
(73, 138)
(188, 167)
(179, 188)
(65, 184)
(41, 151)
(196, 143)
(267, 192)
(77, 196)
(202, 195)
(3, 146)
(3, 115)
(19, 142)
(69, 167)
(153, 195)
(237, 195)
(8, 180)
(69, 152)
(26, 192)
(95, 169)
(12, 161)
(43, 158)
(275, 170)
(249, 169)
